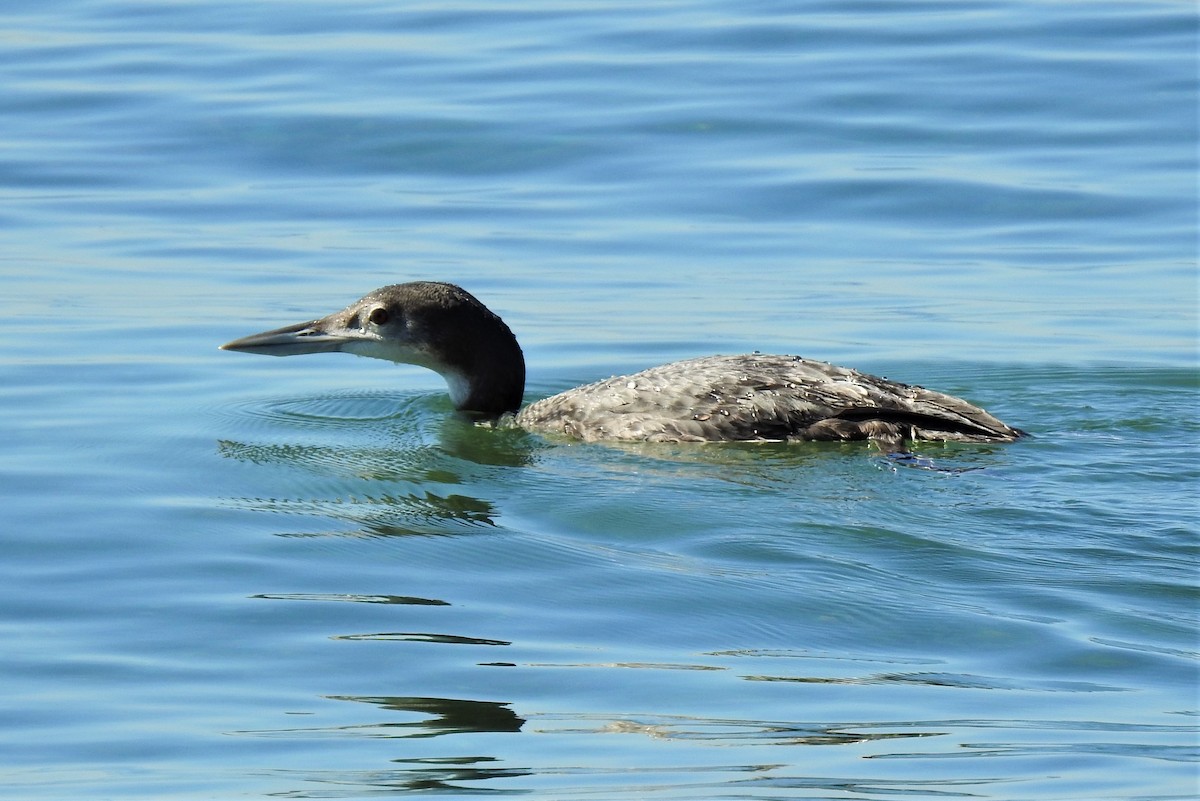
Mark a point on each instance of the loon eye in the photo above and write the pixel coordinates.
(378, 315)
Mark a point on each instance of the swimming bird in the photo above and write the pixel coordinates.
(752, 396)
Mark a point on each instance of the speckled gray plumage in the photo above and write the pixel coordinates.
(759, 397)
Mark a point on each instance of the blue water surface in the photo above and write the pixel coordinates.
(233, 577)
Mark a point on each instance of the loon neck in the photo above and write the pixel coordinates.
(490, 380)
(474, 350)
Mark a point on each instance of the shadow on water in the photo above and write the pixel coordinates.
(472, 773)
(445, 715)
(388, 466)
(440, 716)
(381, 466)
(437, 717)
(408, 600)
(478, 774)
(434, 775)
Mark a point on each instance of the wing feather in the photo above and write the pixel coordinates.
(759, 397)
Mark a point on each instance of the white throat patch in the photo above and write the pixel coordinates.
(459, 386)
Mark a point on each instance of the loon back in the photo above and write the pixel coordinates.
(760, 397)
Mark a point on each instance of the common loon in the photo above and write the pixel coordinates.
(748, 397)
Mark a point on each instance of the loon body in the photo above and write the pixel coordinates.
(748, 397)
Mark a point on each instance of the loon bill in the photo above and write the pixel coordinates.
(712, 398)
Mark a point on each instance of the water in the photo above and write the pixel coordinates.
(233, 577)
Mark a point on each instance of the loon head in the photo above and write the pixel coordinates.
(435, 325)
